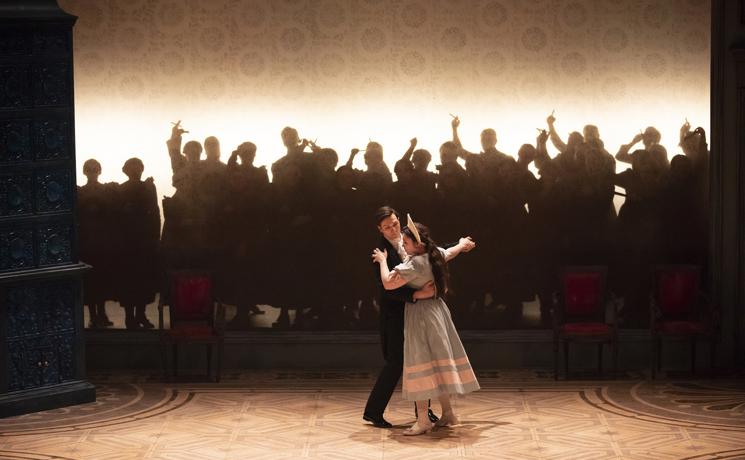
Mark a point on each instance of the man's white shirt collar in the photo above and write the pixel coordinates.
(398, 245)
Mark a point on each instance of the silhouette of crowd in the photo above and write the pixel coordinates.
(300, 243)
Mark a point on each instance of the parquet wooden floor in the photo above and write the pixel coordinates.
(296, 414)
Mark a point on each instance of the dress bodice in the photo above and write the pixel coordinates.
(417, 270)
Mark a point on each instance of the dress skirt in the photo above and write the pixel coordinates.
(434, 359)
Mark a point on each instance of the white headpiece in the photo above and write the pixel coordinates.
(412, 227)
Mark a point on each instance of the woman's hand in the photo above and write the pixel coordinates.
(379, 256)
(427, 292)
(467, 243)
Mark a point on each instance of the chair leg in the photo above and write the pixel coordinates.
(614, 349)
(566, 360)
(653, 357)
(209, 360)
(164, 362)
(220, 348)
(556, 360)
(175, 360)
(600, 359)
(693, 355)
(712, 358)
(659, 354)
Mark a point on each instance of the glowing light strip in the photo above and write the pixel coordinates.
(115, 134)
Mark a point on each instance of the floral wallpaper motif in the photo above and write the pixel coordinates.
(300, 51)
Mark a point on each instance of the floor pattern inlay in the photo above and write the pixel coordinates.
(289, 414)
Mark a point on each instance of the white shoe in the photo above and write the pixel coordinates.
(417, 429)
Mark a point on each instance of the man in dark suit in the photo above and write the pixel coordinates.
(391, 320)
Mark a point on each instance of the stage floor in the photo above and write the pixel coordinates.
(317, 414)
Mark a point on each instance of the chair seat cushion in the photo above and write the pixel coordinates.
(585, 329)
(681, 327)
(191, 332)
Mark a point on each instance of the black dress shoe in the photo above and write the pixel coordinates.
(378, 422)
(432, 417)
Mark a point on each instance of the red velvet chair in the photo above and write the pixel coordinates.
(679, 311)
(579, 314)
(193, 309)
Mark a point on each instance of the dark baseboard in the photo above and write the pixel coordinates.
(517, 336)
(515, 349)
(45, 398)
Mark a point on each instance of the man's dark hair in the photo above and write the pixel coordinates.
(384, 213)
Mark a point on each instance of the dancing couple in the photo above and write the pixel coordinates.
(417, 331)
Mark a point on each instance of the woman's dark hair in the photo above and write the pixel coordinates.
(436, 259)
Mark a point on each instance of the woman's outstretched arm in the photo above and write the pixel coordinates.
(465, 244)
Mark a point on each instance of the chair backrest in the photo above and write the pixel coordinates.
(677, 289)
(583, 292)
(191, 297)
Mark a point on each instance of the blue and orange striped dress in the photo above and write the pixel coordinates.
(434, 359)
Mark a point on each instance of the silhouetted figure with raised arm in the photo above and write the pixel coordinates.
(293, 162)
(323, 162)
(245, 232)
(526, 191)
(375, 182)
(568, 158)
(494, 196)
(244, 176)
(411, 169)
(97, 235)
(637, 233)
(186, 242)
(138, 264)
(290, 225)
(404, 168)
(478, 211)
(650, 137)
(545, 221)
(187, 167)
(415, 188)
(590, 136)
(325, 307)
(586, 171)
(451, 202)
(695, 147)
(490, 159)
(575, 138)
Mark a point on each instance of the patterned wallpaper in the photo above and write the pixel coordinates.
(500, 55)
(299, 50)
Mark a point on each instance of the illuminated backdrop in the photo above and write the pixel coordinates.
(345, 71)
